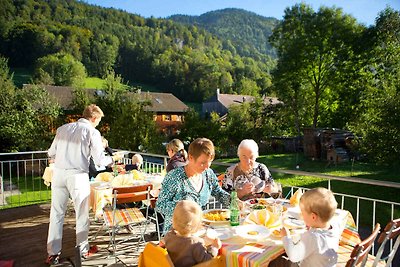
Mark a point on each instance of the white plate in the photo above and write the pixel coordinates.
(99, 185)
(223, 233)
(216, 222)
(294, 223)
(264, 201)
(253, 232)
(294, 212)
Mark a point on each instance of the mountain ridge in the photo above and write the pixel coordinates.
(247, 31)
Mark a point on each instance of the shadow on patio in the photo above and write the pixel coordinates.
(23, 235)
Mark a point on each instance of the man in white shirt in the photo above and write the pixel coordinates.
(71, 150)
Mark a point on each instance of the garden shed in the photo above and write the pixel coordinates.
(331, 144)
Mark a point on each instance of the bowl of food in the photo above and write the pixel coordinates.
(216, 216)
(257, 207)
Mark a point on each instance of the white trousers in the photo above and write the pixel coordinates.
(67, 183)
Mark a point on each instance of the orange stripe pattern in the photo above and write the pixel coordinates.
(123, 217)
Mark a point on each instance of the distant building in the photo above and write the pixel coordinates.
(331, 144)
(169, 110)
(220, 103)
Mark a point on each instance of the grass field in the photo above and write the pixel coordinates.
(94, 83)
(348, 169)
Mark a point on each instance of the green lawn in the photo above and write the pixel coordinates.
(33, 191)
(356, 169)
(94, 83)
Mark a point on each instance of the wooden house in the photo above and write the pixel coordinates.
(220, 103)
(169, 110)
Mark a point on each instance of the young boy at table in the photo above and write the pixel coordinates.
(183, 247)
(137, 161)
(318, 245)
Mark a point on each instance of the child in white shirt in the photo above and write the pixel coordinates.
(317, 246)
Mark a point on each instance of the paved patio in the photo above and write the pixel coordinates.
(23, 235)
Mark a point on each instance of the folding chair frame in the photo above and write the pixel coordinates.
(391, 232)
(123, 195)
(361, 250)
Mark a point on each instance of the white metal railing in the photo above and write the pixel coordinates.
(21, 176)
(149, 166)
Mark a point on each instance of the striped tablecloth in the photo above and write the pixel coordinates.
(350, 234)
(247, 255)
(239, 253)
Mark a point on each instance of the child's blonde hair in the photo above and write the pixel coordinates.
(319, 201)
(137, 159)
(187, 217)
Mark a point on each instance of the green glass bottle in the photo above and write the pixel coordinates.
(115, 170)
(234, 209)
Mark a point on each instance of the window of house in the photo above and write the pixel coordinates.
(167, 118)
(178, 118)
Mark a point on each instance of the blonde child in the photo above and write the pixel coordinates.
(184, 248)
(318, 245)
(137, 161)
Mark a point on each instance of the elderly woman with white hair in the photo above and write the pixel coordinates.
(249, 178)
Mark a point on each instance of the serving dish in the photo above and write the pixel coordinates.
(216, 216)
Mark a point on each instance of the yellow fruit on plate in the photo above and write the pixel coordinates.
(263, 216)
(104, 177)
(295, 199)
(272, 220)
(252, 218)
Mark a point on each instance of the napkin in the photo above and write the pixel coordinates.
(122, 180)
(137, 175)
(295, 199)
(263, 217)
(48, 174)
(104, 177)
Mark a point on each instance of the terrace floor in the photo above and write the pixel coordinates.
(23, 236)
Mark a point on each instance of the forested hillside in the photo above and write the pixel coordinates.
(183, 59)
(330, 71)
(245, 32)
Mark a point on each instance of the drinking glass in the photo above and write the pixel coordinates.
(276, 190)
(240, 182)
(259, 184)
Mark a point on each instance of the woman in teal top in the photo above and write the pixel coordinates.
(195, 181)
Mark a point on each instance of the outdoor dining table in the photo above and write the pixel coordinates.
(101, 192)
(240, 252)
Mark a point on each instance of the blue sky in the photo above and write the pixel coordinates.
(365, 11)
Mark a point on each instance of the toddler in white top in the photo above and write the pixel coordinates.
(318, 246)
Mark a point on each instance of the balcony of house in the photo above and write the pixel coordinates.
(25, 209)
